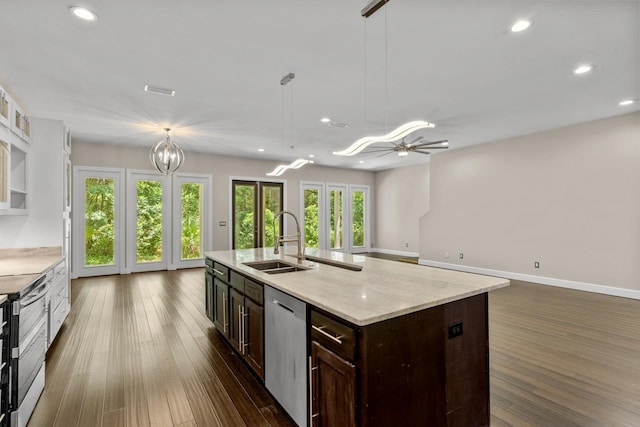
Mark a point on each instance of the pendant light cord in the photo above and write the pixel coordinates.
(365, 70)
(386, 74)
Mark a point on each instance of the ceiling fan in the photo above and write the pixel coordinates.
(404, 148)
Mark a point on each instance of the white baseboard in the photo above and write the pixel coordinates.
(550, 281)
(394, 252)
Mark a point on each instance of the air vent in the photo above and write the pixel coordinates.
(159, 90)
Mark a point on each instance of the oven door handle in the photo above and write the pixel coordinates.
(34, 298)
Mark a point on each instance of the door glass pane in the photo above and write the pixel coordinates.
(271, 199)
(244, 216)
(357, 203)
(311, 222)
(335, 219)
(148, 221)
(191, 221)
(99, 220)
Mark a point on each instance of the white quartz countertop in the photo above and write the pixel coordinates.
(22, 266)
(382, 290)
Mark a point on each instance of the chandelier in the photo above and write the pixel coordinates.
(166, 155)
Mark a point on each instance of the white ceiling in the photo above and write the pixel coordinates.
(453, 63)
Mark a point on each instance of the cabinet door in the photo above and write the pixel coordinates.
(254, 336)
(333, 389)
(4, 175)
(221, 307)
(236, 302)
(208, 295)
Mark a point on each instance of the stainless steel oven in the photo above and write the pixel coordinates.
(28, 349)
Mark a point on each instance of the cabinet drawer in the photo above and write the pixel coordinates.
(237, 281)
(208, 262)
(334, 335)
(221, 271)
(254, 291)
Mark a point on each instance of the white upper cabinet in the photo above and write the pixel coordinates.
(5, 111)
(20, 123)
(4, 175)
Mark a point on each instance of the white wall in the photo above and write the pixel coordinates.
(402, 198)
(221, 167)
(43, 226)
(567, 198)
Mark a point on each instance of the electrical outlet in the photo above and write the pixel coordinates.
(536, 264)
(406, 245)
(455, 330)
(461, 255)
(222, 223)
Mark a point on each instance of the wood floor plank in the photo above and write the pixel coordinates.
(142, 343)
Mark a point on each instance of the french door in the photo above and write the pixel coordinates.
(254, 205)
(191, 219)
(312, 205)
(335, 216)
(148, 221)
(99, 248)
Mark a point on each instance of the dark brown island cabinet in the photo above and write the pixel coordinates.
(235, 306)
(427, 368)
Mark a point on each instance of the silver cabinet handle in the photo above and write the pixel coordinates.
(320, 329)
(240, 338)
(244, 328)
(218, 272)
(224, 313)
(311, 369)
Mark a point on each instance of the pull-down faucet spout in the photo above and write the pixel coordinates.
(282, 239)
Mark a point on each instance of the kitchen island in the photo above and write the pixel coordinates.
(392, 344)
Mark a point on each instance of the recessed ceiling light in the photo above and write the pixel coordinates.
(626, 102)
(325, 120)
(159, 90)
(311, 155)
(83, 13)
(361, 161)
(520, 26)
(446, 144)
(583, 69)
(311, 161)
(261, 149)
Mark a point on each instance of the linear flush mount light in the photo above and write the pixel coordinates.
(166, 155)
(394, 135)
(159, 90)
(280, 169)
(626, 102)
(83, 13)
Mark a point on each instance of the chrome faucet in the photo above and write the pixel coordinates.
(292, 238)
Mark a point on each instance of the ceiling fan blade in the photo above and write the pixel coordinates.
(422, 152)
(382, 155)
(415, 140)
(419, 147)
(378, 150)
(423, 144)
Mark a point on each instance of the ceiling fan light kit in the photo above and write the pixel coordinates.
(166, 155)
(396, 134)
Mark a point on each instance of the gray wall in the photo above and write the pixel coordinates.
(220, 167)
(567, 198)
(402, 198)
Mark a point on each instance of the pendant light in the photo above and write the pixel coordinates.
(298, 163)
(166, 155)
(401, 131)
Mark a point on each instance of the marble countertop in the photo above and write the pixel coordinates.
(382, 290)
(20, 267)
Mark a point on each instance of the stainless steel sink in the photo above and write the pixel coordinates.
(339, 264)
(276, 267)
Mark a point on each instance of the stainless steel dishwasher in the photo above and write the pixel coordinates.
(285, 358)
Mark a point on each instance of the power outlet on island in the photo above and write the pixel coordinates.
(536, 264)
(461, 255)
(455, 330)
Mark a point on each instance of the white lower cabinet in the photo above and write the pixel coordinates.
(59, 306)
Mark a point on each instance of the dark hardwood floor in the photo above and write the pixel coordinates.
(137, 350)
